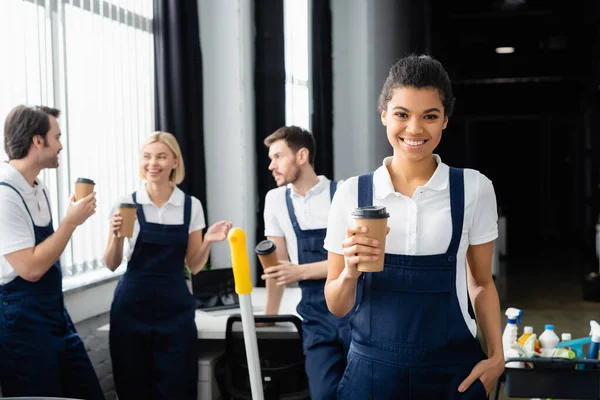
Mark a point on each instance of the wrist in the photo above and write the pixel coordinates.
(68, 223)
(302, 271)
(496, 355)
(347, 276)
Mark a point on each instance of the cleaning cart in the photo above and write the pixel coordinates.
(574, 377)
(554, 378)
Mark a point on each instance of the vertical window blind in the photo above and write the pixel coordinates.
(297, 60)
(94, 60)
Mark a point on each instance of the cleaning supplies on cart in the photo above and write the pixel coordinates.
(531, 350)
(528, 349)
(527, 331)
(549, 339)
(509, 337)
(594, 348)
(558, 353)
(575, 345)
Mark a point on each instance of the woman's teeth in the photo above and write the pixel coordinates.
(414, 142)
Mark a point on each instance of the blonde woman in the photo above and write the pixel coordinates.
(152, 329)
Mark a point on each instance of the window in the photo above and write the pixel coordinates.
(297, 58)
(94, 60)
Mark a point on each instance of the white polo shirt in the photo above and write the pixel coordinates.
(422, 225)
(16, 229)
(311, 211)
(171, 213)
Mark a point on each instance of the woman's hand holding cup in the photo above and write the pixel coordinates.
(359, 249)
(115, 223)
(364, 246)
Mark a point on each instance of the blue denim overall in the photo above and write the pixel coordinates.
(325, 337)
(409, 337)
(152, 330)
(40, 351)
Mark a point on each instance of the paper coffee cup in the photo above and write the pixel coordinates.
(83, 187)
(375, 219)
(128, 213)
(265, 251)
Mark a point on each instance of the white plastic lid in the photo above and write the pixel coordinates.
(595, 331)
(528, 329)
(565, 336)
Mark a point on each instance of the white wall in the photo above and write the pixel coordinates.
(353, 100)
(90, 301)
(227, 44)
(367, 39)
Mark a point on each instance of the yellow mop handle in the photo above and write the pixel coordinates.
(239, 261)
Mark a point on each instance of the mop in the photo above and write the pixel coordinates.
(243, 287)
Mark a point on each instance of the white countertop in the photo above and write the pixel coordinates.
(212, 324)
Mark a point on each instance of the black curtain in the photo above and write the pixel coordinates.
(178, 86)
(322, 86)
(269, 92)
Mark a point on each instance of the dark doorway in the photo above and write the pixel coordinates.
(523, 118)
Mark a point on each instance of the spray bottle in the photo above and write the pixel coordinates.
(594, 345)
(575, 344)
(510, 336)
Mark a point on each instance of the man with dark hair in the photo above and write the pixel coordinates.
(41, 353)
(295, 220)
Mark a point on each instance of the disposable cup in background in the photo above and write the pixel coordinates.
(83, 187)
(266, 253)
(128, 213)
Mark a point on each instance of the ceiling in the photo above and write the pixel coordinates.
(547, 36)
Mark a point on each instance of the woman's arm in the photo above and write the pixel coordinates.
(484, 298)
(113, 255)
(342, 275)
(199, 247)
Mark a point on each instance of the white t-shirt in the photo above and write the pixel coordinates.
(311, 212)
(422, 225)
(171, 213)
(16, 229)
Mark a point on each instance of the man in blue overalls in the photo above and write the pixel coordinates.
(40, 351)
(295, 220)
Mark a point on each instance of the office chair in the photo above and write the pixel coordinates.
(281, 363)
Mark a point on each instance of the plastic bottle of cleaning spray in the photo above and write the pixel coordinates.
(527, 331)
(566, 337)
(510, 336)
(594, 345)
(549, 339)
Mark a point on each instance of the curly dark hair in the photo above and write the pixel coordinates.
(418, 71)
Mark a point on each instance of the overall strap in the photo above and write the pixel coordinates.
(365, 190)
(23, 200)
(457, 207)
(291, 211)
(332, 188)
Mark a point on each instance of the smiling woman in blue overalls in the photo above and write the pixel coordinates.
(152, 330)
(414, 329)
